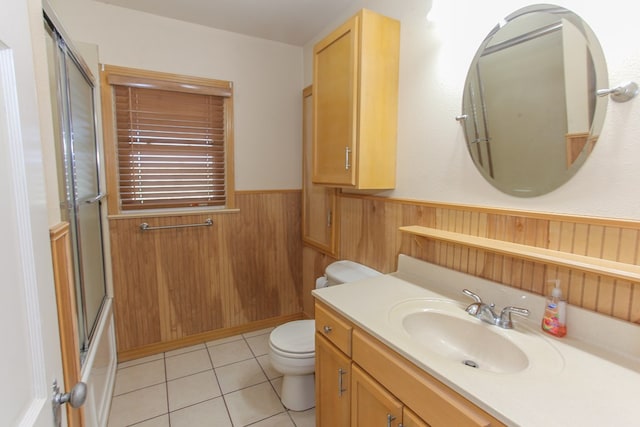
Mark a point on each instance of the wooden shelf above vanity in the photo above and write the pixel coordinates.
(619, 270)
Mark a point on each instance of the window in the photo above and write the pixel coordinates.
(168, 140)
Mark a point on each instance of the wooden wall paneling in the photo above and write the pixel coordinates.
(63, 275)
(265, 249)
(575, 293)
(371, 238)
(539, 270)
(480, 256)
(591, 282)
(634, 304)
(610, 250)
(187, 290)
(173, 284)
(412, 245)
(624, 290)
(560, 239)
(597, 237)
(136, 308)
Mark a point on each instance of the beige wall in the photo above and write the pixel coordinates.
(267, 79)
(433, 163)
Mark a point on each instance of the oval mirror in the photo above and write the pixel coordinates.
(531, 115)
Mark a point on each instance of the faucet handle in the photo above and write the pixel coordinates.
(505, 316)
(470, 294)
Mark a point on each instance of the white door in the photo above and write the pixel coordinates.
(30, 356)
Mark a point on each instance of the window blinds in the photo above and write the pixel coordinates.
(170, 148)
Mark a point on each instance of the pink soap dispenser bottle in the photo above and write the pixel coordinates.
(555, 313)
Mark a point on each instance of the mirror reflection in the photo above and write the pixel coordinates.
(531, 113)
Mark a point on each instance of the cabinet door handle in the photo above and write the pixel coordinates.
(327, 329)
(390, 419)
(329, 218)
(347, 158)
(341, 389)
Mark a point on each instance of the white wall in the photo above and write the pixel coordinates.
(267, 79)
(433, 163)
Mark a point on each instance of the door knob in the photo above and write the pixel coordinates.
(75, 398)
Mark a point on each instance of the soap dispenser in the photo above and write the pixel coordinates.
(555, 313)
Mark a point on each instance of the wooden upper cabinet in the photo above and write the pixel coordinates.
(319, 220)
(355, 104)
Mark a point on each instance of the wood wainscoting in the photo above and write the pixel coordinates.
(63, 276)
(369, 234)
(174, 287)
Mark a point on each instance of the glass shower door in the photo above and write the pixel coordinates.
(73, 105)
(87, 196)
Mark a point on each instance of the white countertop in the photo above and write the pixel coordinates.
(569, 381)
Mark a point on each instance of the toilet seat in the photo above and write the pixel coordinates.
(294, 339)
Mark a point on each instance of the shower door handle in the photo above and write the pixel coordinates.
(95, 199)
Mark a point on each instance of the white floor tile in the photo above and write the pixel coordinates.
(196, 388)
(259, 344)
(265, 362)
(141, 360)
(161, 421)
(230, 352)
(210, 413)
(139, 376)
(280, 420)
(277, 384)
(258, 332)
(192, 398)
(187, 364)
(138, 406)
(305, 418)
(224, 340)
(253, 404)
(184, 350)
(240, 375)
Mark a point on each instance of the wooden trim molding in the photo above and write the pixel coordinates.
(67, 316)
(204, 337)
(562, 259)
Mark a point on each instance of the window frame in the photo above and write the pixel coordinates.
(110, 75)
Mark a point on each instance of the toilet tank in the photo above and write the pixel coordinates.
(348, 271)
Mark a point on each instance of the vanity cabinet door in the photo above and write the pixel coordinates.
(410, 419)
(372, 404)
(333, 391)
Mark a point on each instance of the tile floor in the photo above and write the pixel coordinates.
(222, 383)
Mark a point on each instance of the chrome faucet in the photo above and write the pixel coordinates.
(485, 312)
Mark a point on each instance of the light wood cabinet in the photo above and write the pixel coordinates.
(333, 388)
(385, 389)
(355, 103)
(371, 404)
(410, 419)
(319, 220)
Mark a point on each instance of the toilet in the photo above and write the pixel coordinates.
(292, 345)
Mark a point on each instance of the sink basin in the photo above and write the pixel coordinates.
(473, 344)
(442, 329)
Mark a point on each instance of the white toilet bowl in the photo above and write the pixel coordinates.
(292, 345)
(292, 353)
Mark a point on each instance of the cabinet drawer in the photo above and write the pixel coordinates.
(334, 327)
(431, 400)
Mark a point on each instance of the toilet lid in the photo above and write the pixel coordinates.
(294, 337)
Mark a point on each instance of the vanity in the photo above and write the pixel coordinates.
(400, 350)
